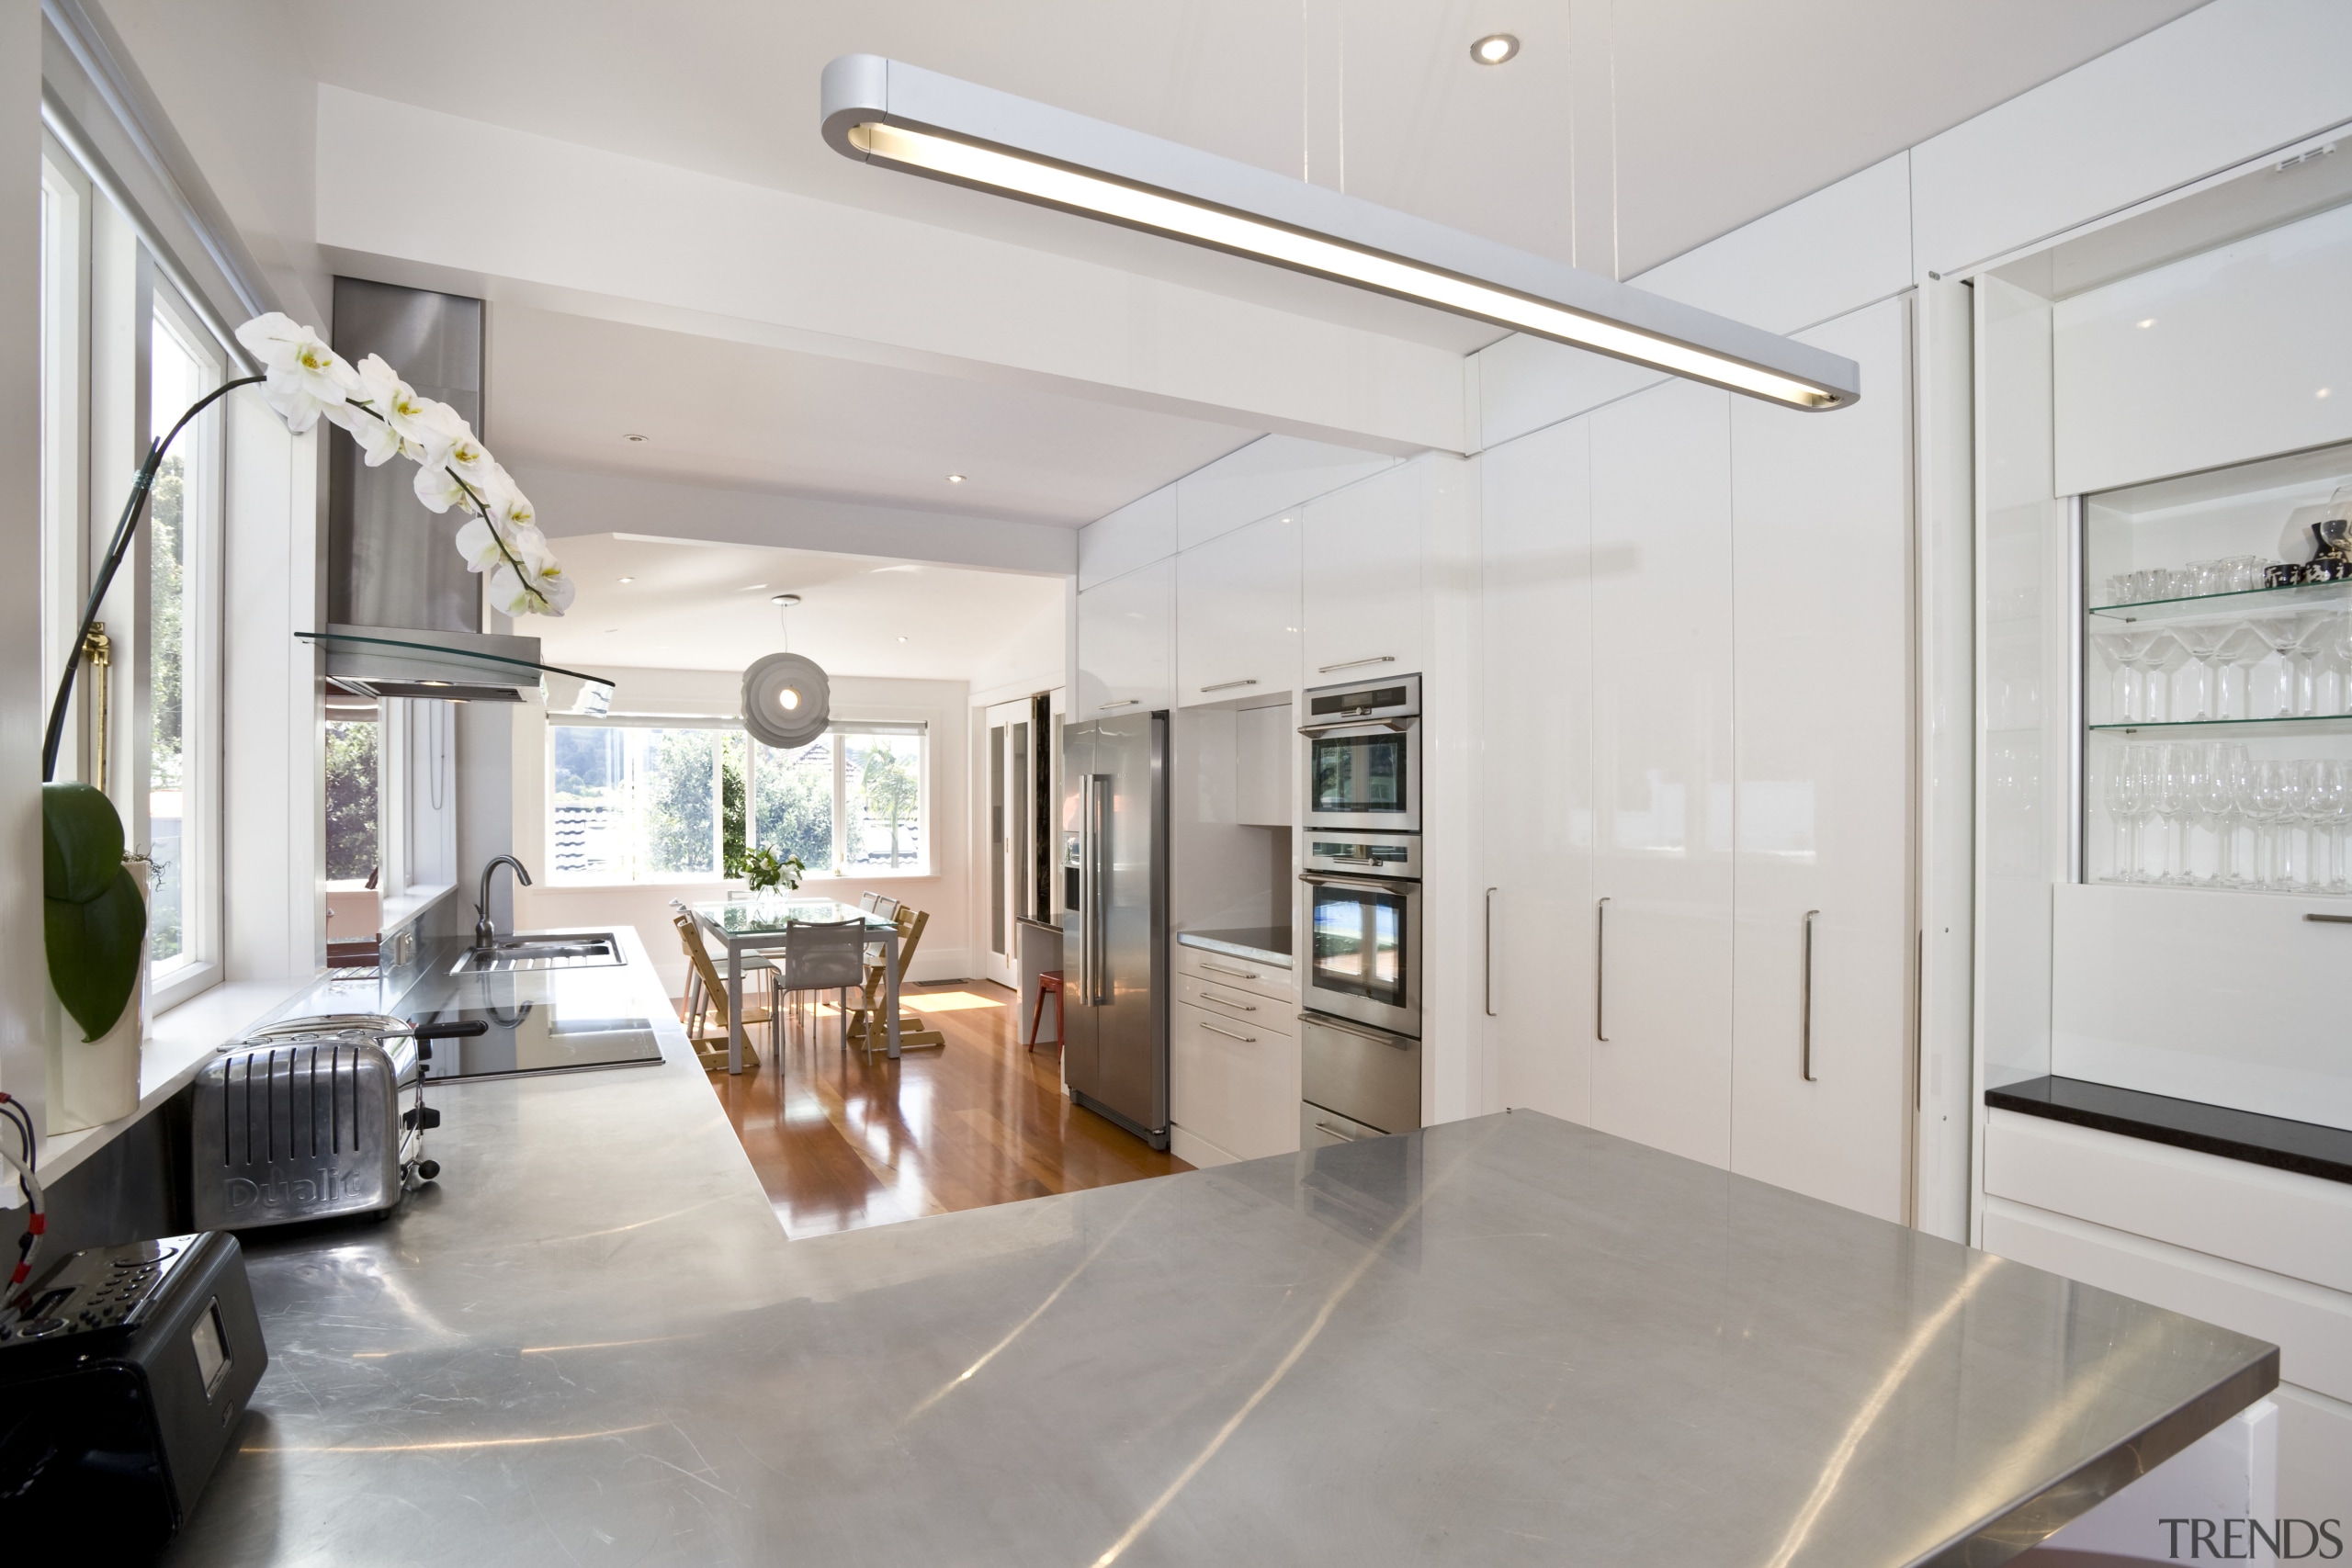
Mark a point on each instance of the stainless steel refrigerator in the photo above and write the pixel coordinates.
(1114, 920)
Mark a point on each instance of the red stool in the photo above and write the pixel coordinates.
(1049, 983)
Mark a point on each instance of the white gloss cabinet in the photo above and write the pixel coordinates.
(1363, 595)
(1536, 791)
(1662, 706)
(1125, 643)
(1238, 613)
(1820, 586)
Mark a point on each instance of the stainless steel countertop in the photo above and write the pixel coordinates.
(1510, 1340)
(1267, 944)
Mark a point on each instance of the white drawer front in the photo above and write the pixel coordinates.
(1236, 974)
(1253, 1012)
(1232, 1083)
(2296, 1225)
(2312, 1327)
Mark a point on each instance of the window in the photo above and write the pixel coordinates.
(122, 357)
(631, 803)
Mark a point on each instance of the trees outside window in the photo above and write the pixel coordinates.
(630, 803)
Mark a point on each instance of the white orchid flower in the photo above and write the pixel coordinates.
(436, 487)
(424, 424)
(547, 592)
(275, 340)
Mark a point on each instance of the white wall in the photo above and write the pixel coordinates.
(949, 950)
(24, 977)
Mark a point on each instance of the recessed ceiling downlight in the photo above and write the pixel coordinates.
(1494, 49)
(786, 600)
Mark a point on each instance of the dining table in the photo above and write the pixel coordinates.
(757, 924)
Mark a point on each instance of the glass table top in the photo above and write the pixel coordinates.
(757, 916)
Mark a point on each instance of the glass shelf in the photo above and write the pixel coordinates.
(2308, 724)
(2252, 600)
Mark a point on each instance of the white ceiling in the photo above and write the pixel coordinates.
(1625, 132)
(697, 606)
(571, 390)
(1724, 109)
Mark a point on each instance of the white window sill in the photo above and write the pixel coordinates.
(807, 879)
(402, 907)
(178, 984)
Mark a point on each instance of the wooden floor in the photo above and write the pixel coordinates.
(839, 1142)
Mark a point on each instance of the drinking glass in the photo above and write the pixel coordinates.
(2283, 633)
(2241, 650)
(2333, 813)
(2126, 798)
(2173, 800)
(2313, 633)
(2264, 802)
(2201, 645)
(2216, 790)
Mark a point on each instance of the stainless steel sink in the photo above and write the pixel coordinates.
(512, 954)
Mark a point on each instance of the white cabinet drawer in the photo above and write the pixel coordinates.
(2312, 1327)
(1233, 1084)
(1236, 974)
(1253, 1013)
(2275, 1219)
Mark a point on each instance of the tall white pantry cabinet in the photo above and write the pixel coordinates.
(1695, 775)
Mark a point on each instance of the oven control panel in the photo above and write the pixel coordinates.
(1342, 852)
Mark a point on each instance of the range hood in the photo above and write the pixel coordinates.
(405, 616)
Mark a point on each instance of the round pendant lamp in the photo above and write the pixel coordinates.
(786, 700)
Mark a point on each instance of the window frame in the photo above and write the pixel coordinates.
(840, 732)
(203, 507)
(103, 297)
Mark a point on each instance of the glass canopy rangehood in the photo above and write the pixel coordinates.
(385, 661)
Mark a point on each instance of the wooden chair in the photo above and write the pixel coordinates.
(709, 1038)
(758, 970)
(870, 1028)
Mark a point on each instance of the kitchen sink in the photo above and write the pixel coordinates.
(515, 954)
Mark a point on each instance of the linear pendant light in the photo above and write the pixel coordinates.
(899, 116)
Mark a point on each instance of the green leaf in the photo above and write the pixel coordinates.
(80, 848)
(94, 950)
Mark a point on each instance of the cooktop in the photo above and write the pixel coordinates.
(538, 1037)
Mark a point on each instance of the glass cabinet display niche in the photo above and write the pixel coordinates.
(2217, 676)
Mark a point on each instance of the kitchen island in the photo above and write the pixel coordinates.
(1498, 1341)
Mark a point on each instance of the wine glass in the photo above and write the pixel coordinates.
(2200, 645)
(2315, 632)
(2173, 798)
(2241, 650)
(2334, 818)
(2141, 655)
(2127, 796)
(2217, 788)
(2263, 802)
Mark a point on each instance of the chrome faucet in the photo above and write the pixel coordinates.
(486, 929)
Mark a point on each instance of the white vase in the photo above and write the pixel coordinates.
(95, 1081)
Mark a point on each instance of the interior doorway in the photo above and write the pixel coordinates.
(1022, 757)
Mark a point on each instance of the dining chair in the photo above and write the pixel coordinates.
(757, 968)
(709, 1039)
(871, 1027)
(827, 955)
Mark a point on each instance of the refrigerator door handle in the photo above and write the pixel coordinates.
(1096, 925)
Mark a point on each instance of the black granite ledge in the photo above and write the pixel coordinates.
(2304, 1148)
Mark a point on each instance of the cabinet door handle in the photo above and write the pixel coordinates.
(2331, 919)
(1208, 996)
(1353, 663)
(1343, 1138)
(1224, 969)
(1805, 1004)
(1228, 686)
(1122, 703)
(1490, 951)
(1600, 971)
(1245, 1039)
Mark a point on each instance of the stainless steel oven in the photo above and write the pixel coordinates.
(1362, 764)
(1363, 957)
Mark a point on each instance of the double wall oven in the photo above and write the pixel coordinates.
(1361, 888)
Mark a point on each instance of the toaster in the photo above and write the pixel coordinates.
(304, 1121)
